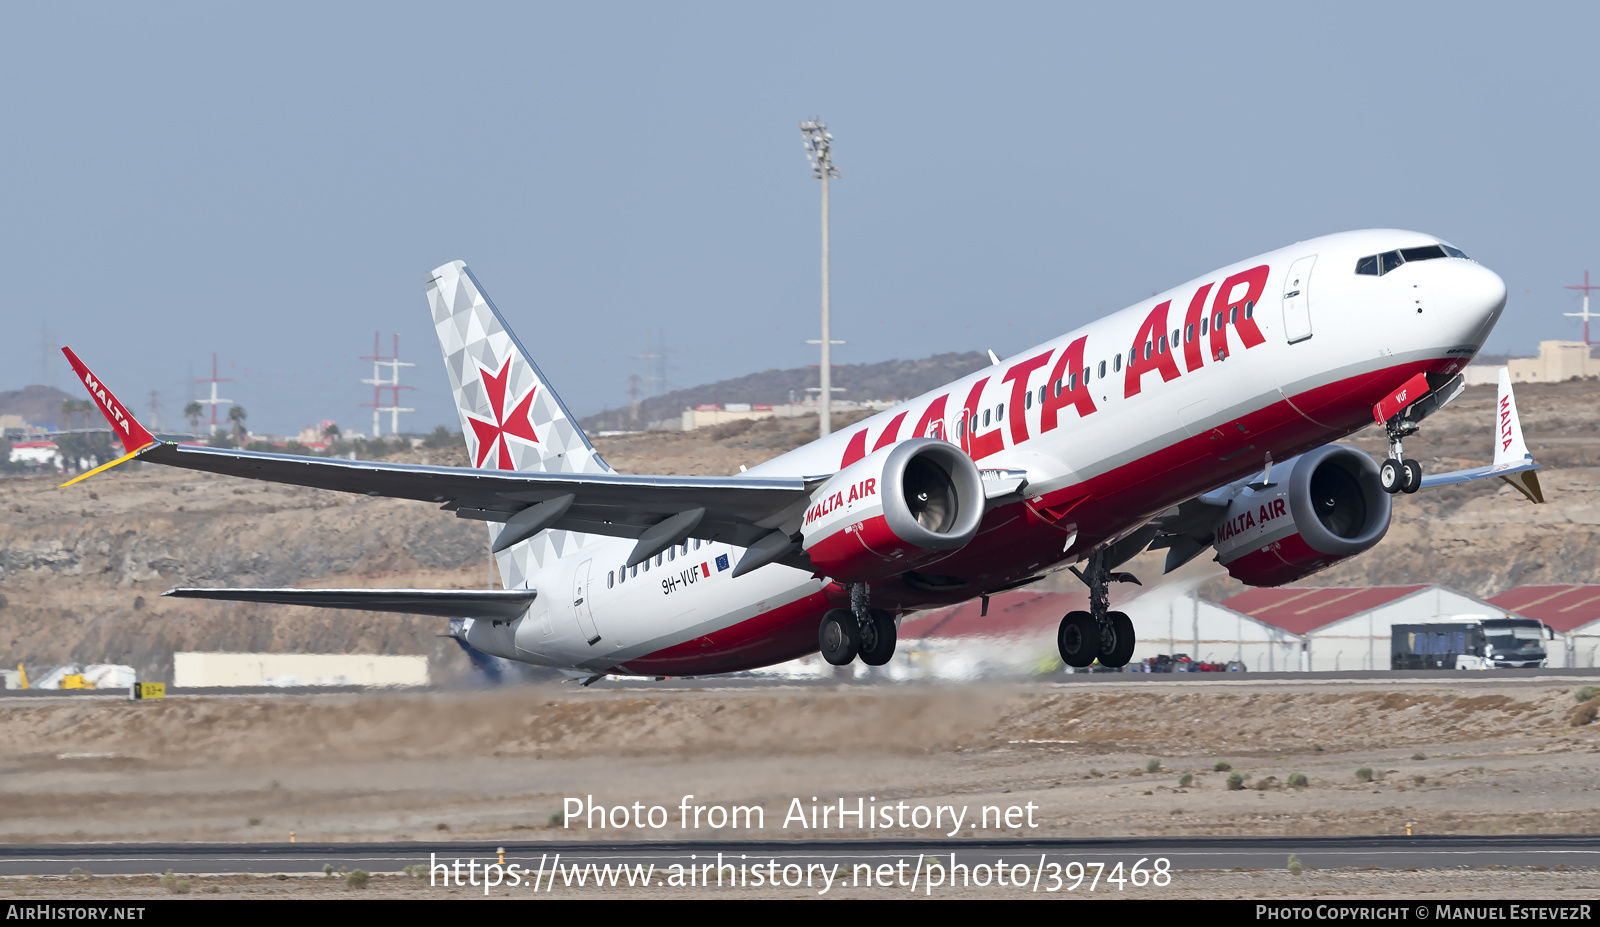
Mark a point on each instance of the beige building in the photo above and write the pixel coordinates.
(193, 670)
(1557, 361)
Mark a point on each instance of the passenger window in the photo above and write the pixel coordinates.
(999, 411)
(1161, 346)
(985, 418)
(658, 559)
(1147, 348)
(1233, 316)
(646, 565)
(611, 579)
(1086, 376)
(1250, 309)
(1188, 333)
(685, 546)
(1042, 393)
(1072, 381)
(1116, 363)
(961, 427)
(1102, 370)
(672, 552)
(1368, 265)
(1388, 261)
(1058, 387)
(696, 543)
(1205, 326)
(1174, 337)
(1027, 401)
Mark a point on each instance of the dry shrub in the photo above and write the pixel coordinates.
(1584, 713)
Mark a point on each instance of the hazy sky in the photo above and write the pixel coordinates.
(272, 182)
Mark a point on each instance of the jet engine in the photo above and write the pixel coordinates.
(1325, 506)
(893, 510)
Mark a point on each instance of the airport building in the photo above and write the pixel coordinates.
(204, 670)
(1557, 361)
(1347, 628)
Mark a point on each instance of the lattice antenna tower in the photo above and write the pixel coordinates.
(1585, 315)
(215, 400)
(379, 383)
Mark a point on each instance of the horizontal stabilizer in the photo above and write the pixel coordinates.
(502, 604)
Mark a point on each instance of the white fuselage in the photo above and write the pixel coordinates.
(1327, 344)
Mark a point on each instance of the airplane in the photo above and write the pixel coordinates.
(1203, 418)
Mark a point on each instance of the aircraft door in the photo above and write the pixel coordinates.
(1297, 300)
(580, 603)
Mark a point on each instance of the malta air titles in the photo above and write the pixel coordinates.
(857, 492)
(1203, 336)
(1268, 512)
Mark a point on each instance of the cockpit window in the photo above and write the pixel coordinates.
(1376, 265)
(1427, 253)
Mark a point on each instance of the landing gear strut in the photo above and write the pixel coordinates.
(1398, 473)
(1098, 633)
(858, 631)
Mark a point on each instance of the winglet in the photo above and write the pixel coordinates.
(133, 436)
(1509, 448)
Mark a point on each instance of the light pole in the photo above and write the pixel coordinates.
(819, 151)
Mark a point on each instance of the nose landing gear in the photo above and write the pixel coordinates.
(1399, 473)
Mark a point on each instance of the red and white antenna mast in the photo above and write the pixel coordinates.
(379, 383)
(214, 401)
(1585, 314)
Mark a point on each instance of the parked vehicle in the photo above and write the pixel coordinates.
(1491, 643)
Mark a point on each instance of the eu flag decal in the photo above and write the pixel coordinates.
(722, 563)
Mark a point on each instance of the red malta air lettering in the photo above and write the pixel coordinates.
(857, 492)
(1058, 397)
(1505, 423)
(1269, 511)
(1237, 312)
(975, 445)
(1017, 376)
(1150, 352)
(857, 448)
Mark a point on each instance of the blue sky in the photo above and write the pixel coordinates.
(273, 182)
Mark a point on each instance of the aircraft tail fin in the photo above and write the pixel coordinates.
(511, 418)
(1512, 462)
(133, 436)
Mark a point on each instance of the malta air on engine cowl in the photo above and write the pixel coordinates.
(1202, 419)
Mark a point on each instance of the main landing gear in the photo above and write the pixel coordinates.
(857, 631)
(1098, 633)
(1398, 473)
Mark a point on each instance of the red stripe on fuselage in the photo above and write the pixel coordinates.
(788, 632)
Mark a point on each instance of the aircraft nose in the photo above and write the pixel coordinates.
(1471, 298)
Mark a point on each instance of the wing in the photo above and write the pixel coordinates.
(500, 604)
(733, 510)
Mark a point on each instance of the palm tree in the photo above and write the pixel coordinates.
(192, 412)
(69, 410)
(236, 415)
(331, 432)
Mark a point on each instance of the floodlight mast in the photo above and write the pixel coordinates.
(819, 151)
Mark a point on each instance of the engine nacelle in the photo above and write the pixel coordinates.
(893, 510)
(1327, 505)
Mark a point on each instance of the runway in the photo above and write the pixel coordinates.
(1182, 853)
(759, 681)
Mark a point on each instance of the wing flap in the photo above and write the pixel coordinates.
(501, 604)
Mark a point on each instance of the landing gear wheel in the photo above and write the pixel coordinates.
(838, 637)
(1410, 476)
(1116, 640)
(1078, 639)
(1391, 476)
(877, 638)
